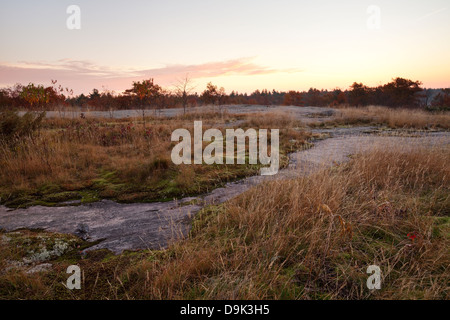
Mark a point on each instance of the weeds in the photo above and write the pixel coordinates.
(114, 159)
(306, 238)
(14, 128)
(393, 118)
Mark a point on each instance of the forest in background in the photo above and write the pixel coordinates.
(146, 94)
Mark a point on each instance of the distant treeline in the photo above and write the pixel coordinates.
(147, 94)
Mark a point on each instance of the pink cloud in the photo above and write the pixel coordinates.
(83, 76)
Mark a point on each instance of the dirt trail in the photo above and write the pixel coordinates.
(154, 225)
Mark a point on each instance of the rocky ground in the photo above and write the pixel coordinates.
(118, 227)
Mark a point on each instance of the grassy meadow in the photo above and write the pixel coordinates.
(311, 237)
(392, 118)
(127, 160)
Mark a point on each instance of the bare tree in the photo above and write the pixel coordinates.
(183, 89)
(427, 96)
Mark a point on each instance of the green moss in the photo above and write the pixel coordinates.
(49, 188)
(20, 202)
(441, 227)
(157, 181)
(106, 178)
(89, 196)
(379, 235)
(61, 197)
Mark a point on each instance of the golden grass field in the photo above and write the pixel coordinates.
(393, 118)
(126, 160)
(311, 237)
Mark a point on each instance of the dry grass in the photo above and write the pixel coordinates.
(125, 160)
(315, 237)
(222, 115)
(275, 120)
(307, 238)
(71, 154)
(394, 118)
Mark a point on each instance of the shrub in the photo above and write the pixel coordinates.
(14, 127)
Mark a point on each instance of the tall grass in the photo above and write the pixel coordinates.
(314, 237)
(121, 159)
(72, 153)
(275, 120)
(306, 238)
(394, 118)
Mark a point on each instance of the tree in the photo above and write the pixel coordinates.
(402, 92)
(162, 99)
(183, 89)
(38, 96)
(358, 95)
(222, 96)
(293, 98)
(146, 92)
(210, 95)
(94, 98)
(442, 100)
(314, 97)
(34, 95)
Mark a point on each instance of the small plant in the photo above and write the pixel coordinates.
(14, 127)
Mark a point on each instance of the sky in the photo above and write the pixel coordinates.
(239, 45)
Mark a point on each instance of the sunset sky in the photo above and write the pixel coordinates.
(241, 45)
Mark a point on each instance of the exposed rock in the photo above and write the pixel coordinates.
(82, 231)
(155, 225)
(44, 267)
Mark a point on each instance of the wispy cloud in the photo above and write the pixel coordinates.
(83, 75)
(430, 14)
(243, 66)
